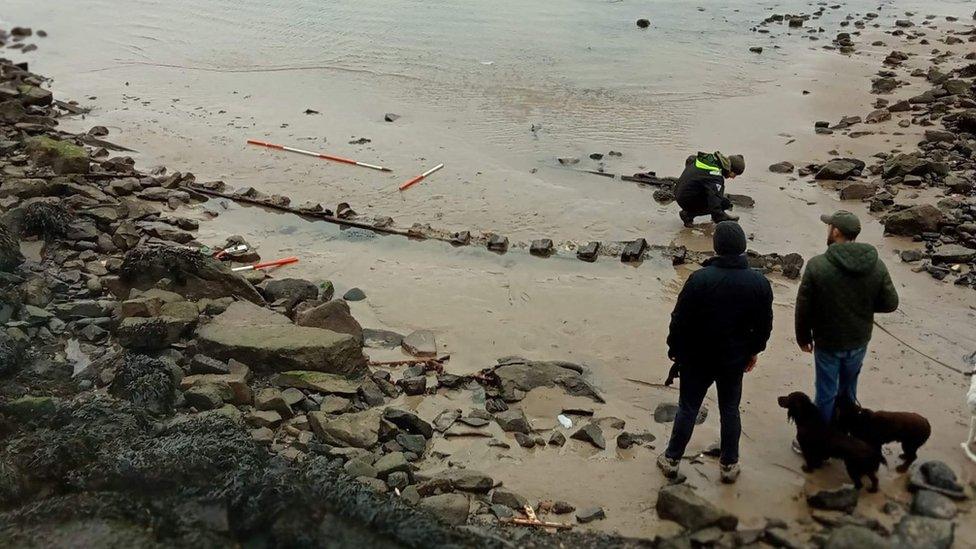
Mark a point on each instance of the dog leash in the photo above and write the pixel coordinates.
(933, 359)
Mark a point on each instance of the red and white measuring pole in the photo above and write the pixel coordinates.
(317, 155)
(420, 177)
(266, 264)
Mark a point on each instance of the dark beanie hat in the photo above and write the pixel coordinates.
(729, 239)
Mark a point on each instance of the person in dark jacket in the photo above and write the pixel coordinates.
(701, 186)
(720, 324)
(838, 296)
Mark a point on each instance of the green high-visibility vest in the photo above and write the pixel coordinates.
(703, 166)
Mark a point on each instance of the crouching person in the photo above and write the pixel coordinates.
(720, 324)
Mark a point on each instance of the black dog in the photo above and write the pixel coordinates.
(819, 441)
(879, 428)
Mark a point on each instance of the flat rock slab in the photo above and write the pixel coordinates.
(271, 343)
(320, 382)
(420, 343)
(358, 430)
(680, 504)
(522, 375)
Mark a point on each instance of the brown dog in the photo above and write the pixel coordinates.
(819, 441)
(880, 428)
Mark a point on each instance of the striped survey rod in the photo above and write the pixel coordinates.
(317, 155)
(266, 264)
(420, 177)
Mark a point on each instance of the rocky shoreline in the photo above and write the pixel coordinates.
(151, 396)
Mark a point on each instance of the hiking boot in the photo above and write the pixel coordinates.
(795, 446)
(724, 216)
(730, 473)
(668, 466)
(686, 218)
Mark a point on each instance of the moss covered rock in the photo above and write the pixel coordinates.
(63, 157)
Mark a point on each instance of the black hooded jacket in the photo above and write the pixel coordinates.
(724, 316)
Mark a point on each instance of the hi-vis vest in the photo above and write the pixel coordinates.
(712, 170)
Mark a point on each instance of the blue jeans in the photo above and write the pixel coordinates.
(837, 373)
(694, 385)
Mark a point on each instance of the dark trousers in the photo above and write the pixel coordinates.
(706, 202)
(694, 385)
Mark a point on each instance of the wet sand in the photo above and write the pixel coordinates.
(609, 316)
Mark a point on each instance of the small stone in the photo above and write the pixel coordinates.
(562, 507)
(643, 23)
(391, 117)
(354, 294)
(557, 439)
(782, 167)
(589, 252)
(414, 385)
(591, 514)
(513, 421)
(756, 49)
(839, 499)
(525, 441)
(591, 433)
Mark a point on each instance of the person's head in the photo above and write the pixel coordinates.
(737, 166)
(729, 239)
(842, 226)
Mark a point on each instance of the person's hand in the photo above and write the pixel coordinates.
(752, 363)
(807, 348)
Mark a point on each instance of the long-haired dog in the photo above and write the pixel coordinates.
(879, 428)
(820, 441)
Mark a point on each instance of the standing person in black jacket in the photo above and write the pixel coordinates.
(701, 186)
(720, 324)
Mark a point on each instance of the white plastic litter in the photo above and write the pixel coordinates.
(564, 421)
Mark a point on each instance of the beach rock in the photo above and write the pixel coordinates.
(884, 85)
(906, 164)
(557, 439)
(420, 343)
(756, 49)
(858, 190)
(451, 508)
(855, 537)
(927, 503)
(149, 334)
(513, 421)
(63, 157)
(414, 385)
(542, 247)
(936, 476)
(332, 315)
(782, 167)
(360, 467)
(568, 160)
(291, 289)
(408, 421)
(915, 220)
(207, 396)
(591, 433)
(643, 23)
(255, 335)
(416, 444)
(391, 117)
(521, 375)
(939, 136)
(839, 499)
(953, 253)
(498, 243)
(665, 412)
(589, 515)
(202, 364)
(680, 504)
(10, 256)
(354, 294)
(877, 116)
(235, 383)
(319, 382)
(508, 498)
(588, 252)
(357, 430)
(190, 274)
(634, 251)
(914, 532)
(391, 463)
(840, 168)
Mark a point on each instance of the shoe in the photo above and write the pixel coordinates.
(686, 218)
(795, 445)
(668, 466)
(730, 473)
(718, 218)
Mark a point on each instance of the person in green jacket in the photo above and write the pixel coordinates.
(839, 294)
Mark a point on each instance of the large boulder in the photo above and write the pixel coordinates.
(921, 218)
(680, 504)
(10, 256)
(63, 157)
(855, 537)
(188, 272)
(293, 289)
(333, 315)
(914, 532)
(357, 430)
(451, 508)
(269, 342)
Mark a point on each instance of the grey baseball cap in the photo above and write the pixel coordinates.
(845, 222)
